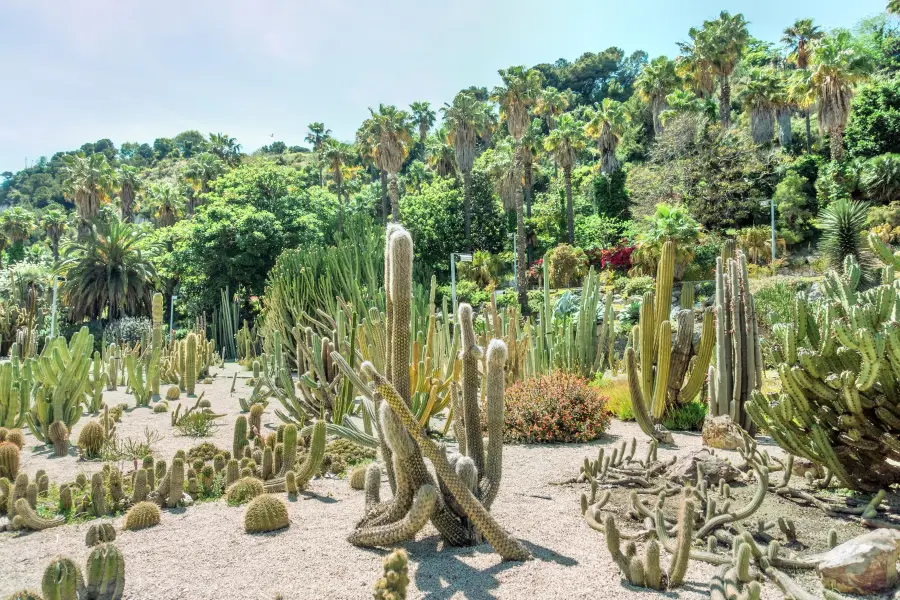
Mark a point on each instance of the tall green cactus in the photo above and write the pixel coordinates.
(105, 573)
(739, 363)
(15, 392)
(190, 374)
(62, 581)
(138, 380)
(98, 381)
(663, 372)
(839, 362)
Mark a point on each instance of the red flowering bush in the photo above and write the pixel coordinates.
(535, 273)
(559, 407)
(618, 258)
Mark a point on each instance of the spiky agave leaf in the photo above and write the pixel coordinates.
(843, 223)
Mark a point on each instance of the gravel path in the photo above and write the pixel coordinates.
(202, 553)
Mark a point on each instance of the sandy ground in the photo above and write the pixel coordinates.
(202, 552)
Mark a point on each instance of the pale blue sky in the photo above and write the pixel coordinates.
(133, 70)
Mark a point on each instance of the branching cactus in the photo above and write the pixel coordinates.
(665, 371)
(458, 502)
(15, 392)
(839, 363)
(739, 363)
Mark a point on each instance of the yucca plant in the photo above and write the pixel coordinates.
(843, 223)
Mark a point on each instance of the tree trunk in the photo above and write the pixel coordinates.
(395, 197)
(725, 101)
(84, 229)
(808, 133)
(529, 174)
(837, 143)
(385, 206)
(54, 246)
(570, 207)
(521, 265)
(127, 203)
(340, 200)
(467, 205)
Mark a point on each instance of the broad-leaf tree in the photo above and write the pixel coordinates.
(199, 172)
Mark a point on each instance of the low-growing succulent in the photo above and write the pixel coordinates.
(392, 586)
(98, 495)
(173, 393)
(243, 490)
(59, 437)
(99, 533)
(142, 515)
(91, 439)
(15, 436)
(266, 513)
(24, 595)
(161, 407)
(29, 519)
(358, 477)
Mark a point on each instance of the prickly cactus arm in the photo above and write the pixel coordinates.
(680, 559)
(663, 359)
(495, 382)
(664, 278)
(459, 425)
(647, 339)
(401, 248)
(723, 341)
(697, 377)
(737, 326)
(31, 520)
(681, 354)
(641, 411)
(471, 388)
(314, 457)
(508, 547)
(405, 529)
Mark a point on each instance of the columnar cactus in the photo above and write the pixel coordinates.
(240, 437)
(663, 372)
(739, 364)
(28, 518)
(15, 392)
(62, 581)
(190, 374)
(9, 460)
(98, 495)
(838, 362)
(91, 439)
(458, 502)
(98, 381)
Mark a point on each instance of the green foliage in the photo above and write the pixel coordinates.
(668, 223)
(685, 417)
(874, 125)
(197, 424)
(554, 408)
(794, 208)
(598, 231)
(638, 286)
(568, 265)
(881, 177)
(775, 300)
(618, 398)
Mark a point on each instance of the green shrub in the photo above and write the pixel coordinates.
(618, 398)
(686, 417)
(559, 407)
(637, 286)
(568, 265)
(595, 231)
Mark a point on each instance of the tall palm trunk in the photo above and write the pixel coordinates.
(395, 197)
(54, 247)
(340, 199)
(84, 229)
(127, 202)
(724, 101)
(785, 134)
(467, 204)
(529, 176)
(808, 132)
(385, 206)
(837, 142)
(570, 207)
(521, 265)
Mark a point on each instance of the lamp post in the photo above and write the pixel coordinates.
(463, 257)
(172, 316)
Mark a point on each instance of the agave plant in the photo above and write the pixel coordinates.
(843, 224)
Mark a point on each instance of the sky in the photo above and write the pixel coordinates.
(261, 70)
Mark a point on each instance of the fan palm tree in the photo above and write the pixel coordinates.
(130, 183)
(505, 169)
(316, 136)
(199, 172)
(893, 7)
(392, 147)
(565, 142)
(532, 147)
(423, 117)
(225, 147)
(881, 177)
(718, 47)
(656, 81)
(516, 96)
(336, 155)
(837, 66)
(802, 94)
(759, 94)
(606, 124)
(439, 153)
(54, 222)
(464, 119)
(167, 204)
(551, 103)
(88, 183)
(799, 39)
(17, 225)
(109, 270)
(367, 137)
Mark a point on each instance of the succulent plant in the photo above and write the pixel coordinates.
(141, 515)
(9, 460)
(29, 519)
(173, 393)
(266, 513)
(17, 437)
(232, 472)
(255, 421)
(161, 407)
(65, 498)
(58, 434)
(99, 533)
(91, 439)
(62, 581)
(105, 573)
(392, 586)
(358, 478)
(244, 490)
(24, 595)
(240, 437)
(98, 495)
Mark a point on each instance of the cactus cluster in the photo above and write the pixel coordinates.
(16, 382)
(392, 586)
(458, 502)
(739, 362)
(839, 363)
(99, 533)
(63, 579)
(665, 371)
(185, 361)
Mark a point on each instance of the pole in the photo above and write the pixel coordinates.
(53, 310)
(453, 280)
(772, 205)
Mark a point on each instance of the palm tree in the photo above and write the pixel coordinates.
(881, 177)
(893, 7)
(17, 225)
(532, 146)
(392, 147)
(551, 103)
(516, 96)
(167, 204)
(799, 39)
(199, 172)
(606, 124)
(439, 153)
(718, 47)
(802, 94)
(88, 184)
(336, 154)
(109, 270)
(129, 184)
(656, 81)
(316, 136)
(784, 108)
(464, 119)
(565, 142)
(759, 94)
(837, 66)
(423, 117)
(505, 169)
(54, 222)
(225, 147)
(367, 137)
(416, 175)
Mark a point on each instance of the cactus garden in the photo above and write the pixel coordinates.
(625, 325)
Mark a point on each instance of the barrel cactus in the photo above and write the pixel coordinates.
(99, 533)
(9, 460)
(24, 595)
(173, 393)
(142, 515)
(266, 513)
(17, 437)
(91, 439)
(105, 573)
(358, 477)
(243, 490)
(62, 581)
(161, 407)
